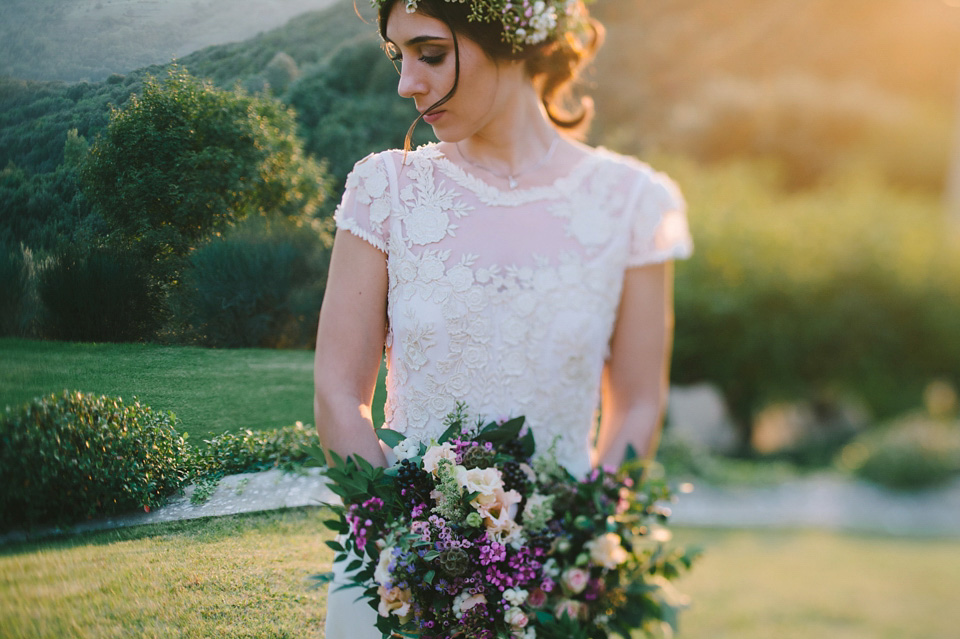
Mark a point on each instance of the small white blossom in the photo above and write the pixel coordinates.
(407, 448)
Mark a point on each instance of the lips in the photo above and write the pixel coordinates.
(432, 116)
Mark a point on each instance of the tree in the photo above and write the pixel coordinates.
(186, 160)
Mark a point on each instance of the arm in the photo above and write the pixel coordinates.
(350, 340)
(635, 377)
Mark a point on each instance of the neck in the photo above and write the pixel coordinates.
(516, 139)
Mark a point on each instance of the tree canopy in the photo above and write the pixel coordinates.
(186, 160)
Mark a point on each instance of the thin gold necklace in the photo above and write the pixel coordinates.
(511, 178)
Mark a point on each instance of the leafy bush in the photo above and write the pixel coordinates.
(909, 454)
(260, 286)
(186, 160)
(98, 295)
(253, 451)
(71, 456)
(850, 290)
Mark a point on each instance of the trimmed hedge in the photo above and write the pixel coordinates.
(252, 451)
(70, 456)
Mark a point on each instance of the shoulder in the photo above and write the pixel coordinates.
(649, 184)
(397, 159)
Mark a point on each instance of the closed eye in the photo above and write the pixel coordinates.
(432, 59)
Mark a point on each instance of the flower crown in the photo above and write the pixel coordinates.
(524, 22)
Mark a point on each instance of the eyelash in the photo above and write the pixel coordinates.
(432, 60)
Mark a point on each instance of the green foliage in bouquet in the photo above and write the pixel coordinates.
(473, 535)
(70, 456)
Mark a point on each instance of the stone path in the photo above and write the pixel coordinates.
(821, 501)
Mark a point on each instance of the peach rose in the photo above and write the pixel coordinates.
(435, 453)
(606, 550)
(394, 601)
(465, 601)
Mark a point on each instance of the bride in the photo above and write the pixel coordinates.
(509, 266)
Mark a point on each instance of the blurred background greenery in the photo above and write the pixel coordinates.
(813, 140)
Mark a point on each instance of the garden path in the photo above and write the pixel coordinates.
(825, 501)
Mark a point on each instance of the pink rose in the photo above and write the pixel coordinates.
(516, 618)
(569, 607)
(537, 598)
(575, 579)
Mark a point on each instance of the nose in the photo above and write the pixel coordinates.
(411, 84)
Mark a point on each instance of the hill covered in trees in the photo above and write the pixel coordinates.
(88, 40)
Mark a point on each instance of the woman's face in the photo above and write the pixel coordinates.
(428, 69)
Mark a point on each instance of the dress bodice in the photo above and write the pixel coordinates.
(506, 299)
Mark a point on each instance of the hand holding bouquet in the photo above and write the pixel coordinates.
(473, 536)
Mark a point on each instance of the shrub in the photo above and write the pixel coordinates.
(261, 286)
(13, 291)
(909, 454)
(849, 291)
(251, 451)
(71, 456)
(98, 295)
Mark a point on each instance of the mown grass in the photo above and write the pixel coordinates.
(243, 576)
(210, 390)
(246, 576)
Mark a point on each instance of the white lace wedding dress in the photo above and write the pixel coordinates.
(502, 299)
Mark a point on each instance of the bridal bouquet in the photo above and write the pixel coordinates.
(472, 536)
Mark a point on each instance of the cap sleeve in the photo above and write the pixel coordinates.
(659, 231)
(367, 201)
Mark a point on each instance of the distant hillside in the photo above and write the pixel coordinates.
(809, 82)
(87, 40)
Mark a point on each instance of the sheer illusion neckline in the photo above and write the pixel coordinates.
(492, 194)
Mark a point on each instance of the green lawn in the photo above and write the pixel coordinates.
(245, 576)
(210, 390)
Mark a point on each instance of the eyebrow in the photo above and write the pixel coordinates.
(424, 38)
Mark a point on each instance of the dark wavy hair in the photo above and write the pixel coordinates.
(554, 65)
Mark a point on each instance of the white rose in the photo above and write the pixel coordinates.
(382, 573)
(434, 454)
(379, 210)
(431, 268)
(441, 404)
(407, 270)
(460, 278)
(407, 448)
(525, 303)
(606, 550)
(474, 356)
(485, 481)
(516, 618)
(514, 330)
(475, 298)
(375, 183)
(429, 224)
